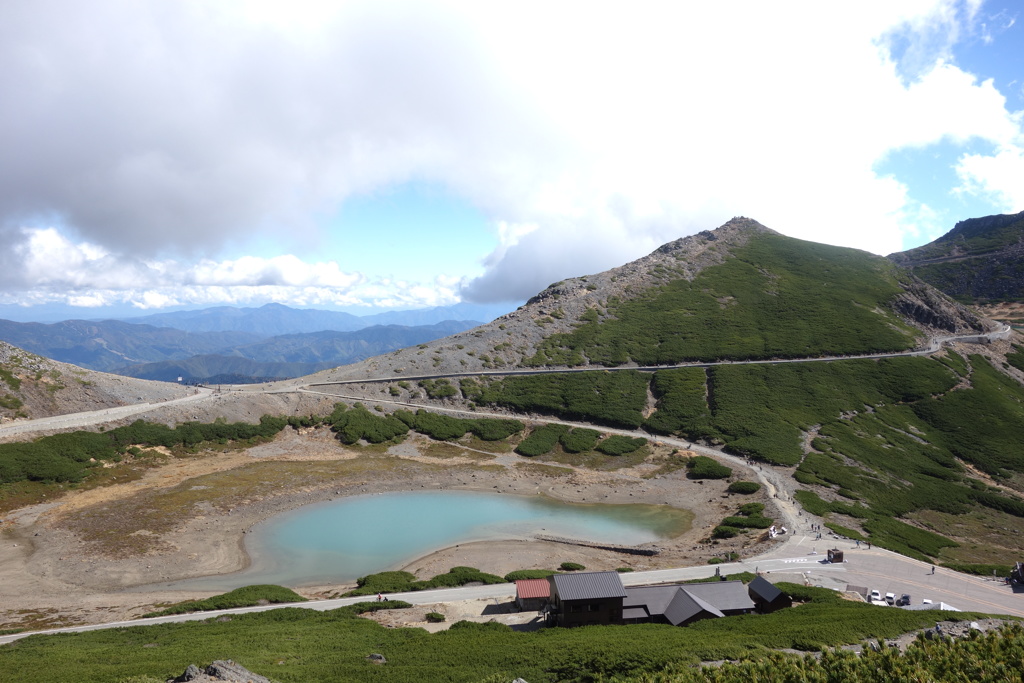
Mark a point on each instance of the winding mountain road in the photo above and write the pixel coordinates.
(797, 557)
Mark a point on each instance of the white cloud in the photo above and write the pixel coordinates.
(999, 176)
(588, 134)
(51, 268)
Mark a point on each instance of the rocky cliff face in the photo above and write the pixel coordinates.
(925, 306)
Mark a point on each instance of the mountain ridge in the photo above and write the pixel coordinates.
(275, 319)
(979, 260)
(113, 346)
(912, 308)
(293, 355)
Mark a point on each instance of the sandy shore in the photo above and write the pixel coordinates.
(92, 556)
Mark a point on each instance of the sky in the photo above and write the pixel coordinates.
(369, 156)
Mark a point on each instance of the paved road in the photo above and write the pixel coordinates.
(92, 417)
(796, 558)
(88, 418)
(933, 346)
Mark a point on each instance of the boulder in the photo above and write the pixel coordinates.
(220, 670)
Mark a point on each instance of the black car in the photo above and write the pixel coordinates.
(903, 600)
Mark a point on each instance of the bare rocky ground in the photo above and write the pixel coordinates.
(89, 556)
(45, 387)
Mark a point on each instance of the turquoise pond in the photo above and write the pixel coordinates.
(344, 539)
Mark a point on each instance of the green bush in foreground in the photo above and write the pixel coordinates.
(541, 440)
(495, 429)
(404, 582)
(751, 522)
(435, 425)
(703, 467)
(528, 574)
(247, 596)
(846, 532)
(292, 645)
(619, 444)
(989, 657)
(359, 424)
(579, 440)
(744, 487)
(68, 457)
(751, 509)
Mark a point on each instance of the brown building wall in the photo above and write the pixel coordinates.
(592, 611)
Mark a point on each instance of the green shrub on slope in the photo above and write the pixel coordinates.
(247, 596)
(616, 399)
(541, 440)
(766, 302)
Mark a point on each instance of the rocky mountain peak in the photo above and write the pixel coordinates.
(974, 227)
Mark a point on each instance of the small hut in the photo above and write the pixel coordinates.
(766, 596)
(532, 594)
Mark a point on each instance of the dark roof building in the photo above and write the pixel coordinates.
(599, 598)
(588, 585)
(680, 605)
(588, 598)
(687, 608)
(766, 595)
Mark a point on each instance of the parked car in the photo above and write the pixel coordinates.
(890, 598)
(903, 600)
(926, 601)
(875, 595)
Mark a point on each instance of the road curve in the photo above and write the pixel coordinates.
(888, 571)
(795, 559)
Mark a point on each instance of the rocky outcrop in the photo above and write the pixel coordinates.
(220, 670)
(925, 306)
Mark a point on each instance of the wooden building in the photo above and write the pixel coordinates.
(584, 599)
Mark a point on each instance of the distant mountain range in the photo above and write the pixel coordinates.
(272, 341)
(277, 319)
(112, 344)
(980, 260)
(294, 355)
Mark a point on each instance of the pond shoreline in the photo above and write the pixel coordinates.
(45, 567)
